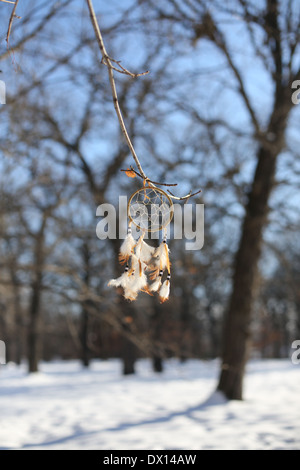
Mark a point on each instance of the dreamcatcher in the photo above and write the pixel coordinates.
(150, 208)
(147, 269)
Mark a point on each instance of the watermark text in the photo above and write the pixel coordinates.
(2, 353)
(296, 94)
(2, 92)
(187, 222)
(296, 354)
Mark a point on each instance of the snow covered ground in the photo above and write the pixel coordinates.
(66, 407)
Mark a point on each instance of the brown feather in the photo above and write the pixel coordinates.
(154, 273)
(147, 291)
(123, 259)
(130, 295)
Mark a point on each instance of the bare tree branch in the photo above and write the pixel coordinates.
(122, 69)
(106, 59)
(39, 28)
(183, 198)
(12, 16)
(150, 181)
(240, 81)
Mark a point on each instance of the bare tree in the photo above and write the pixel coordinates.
(271, 144)
(275, 48)
(184, 129)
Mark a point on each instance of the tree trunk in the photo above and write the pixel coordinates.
(237, 321)
(18, 339)
(128, 349)
(156, 327)
(128, 356)
(185, 319)
(17, 323)
(33, 338)
(85, 352)
(157, 364)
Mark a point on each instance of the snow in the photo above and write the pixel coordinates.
(67, 407)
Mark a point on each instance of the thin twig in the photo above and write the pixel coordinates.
(122, 69)
(184, 197)
(150, 181)
(7, 1)
(11, 20)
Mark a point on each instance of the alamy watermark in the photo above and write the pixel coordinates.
(296, 354)
(187, 222)
(2, 353)
(296, 94)
(2, 92)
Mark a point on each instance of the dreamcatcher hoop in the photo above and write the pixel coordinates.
(150, 209)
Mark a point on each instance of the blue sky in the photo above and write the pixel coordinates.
(197, 77)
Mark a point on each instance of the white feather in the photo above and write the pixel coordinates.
(129, 294)
(121, 281)
(159, 261)
(140, 281)
(127, 248)
(160, 255)
(155, 285)
(147, 252)
(138, 246)
(164, 291)
(136, 282)
(159, 250)
(135, 263)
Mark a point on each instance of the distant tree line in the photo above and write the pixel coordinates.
(199, 118)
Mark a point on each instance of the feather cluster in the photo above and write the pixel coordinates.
(141, 259)
(159, 263)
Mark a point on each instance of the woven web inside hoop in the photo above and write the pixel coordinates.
(150, 209)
